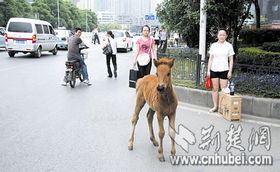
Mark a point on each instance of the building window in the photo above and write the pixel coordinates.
(275, 8)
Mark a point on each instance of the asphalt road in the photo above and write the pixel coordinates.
(48, 127)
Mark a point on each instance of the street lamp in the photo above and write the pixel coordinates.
(57, 13)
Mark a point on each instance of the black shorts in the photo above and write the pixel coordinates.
(221, 75)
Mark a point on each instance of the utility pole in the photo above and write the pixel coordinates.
(202, 42)
(57, 13)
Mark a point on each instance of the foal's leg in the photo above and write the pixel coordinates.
(140, 102)
(150, 117)
(172, 132)
(161, 135)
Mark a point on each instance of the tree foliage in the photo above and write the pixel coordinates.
(183, 16)
(69, 15)
(13, 8)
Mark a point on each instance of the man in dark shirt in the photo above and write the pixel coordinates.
(74, 52)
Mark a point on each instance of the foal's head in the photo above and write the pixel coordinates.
(163, 73)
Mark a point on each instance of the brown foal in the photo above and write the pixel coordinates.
(158, 93)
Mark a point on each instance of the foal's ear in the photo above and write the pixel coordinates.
(171, 63)
(156, 63)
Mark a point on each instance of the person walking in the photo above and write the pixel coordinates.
(145, 45)
(163, 39)
(157, 37)
(220, 65)
(95, 36)
(110, 40)
(176, 38)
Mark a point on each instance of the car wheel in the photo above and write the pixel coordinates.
(11, 54)
(54, 51)
(38, 53)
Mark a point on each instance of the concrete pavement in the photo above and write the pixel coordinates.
(48, 127)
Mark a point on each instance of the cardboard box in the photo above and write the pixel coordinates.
(230, 106)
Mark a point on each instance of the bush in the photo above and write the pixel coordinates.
(257, 37)
(271, 46)
(256, 56)
(258, 85)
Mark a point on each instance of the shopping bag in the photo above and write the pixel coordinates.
(133, 77)
(208, 82)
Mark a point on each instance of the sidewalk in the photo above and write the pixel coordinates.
(257, 107)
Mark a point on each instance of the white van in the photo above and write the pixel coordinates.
(30, 36)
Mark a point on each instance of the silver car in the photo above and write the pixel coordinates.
(2, 37)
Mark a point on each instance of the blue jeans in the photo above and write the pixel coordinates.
(83, 66)
(84, 71)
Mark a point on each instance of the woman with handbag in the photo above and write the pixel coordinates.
(110, 52)
(220, 65)
(145, 50)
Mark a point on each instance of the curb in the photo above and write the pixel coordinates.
(261, 107)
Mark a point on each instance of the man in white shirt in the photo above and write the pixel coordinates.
(95, 36)
(163, 38)
(157, 37)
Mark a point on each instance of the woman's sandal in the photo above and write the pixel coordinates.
(213, 110)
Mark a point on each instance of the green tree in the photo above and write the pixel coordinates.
(228, 14)
(70, 16)
(43, 10)
(183, 16)
(14, 8)
(258, 13)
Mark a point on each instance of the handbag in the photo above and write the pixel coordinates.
(133, 77)
(144, 59)
(107, 50)
(208, 82)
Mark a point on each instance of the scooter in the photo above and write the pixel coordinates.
(74, 68)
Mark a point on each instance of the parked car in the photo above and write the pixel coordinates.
(124, 40)
(62, 39)
(2, 38)
(30, 36)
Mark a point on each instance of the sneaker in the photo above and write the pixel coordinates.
(64, 83)
(109, 76)
(115, 74)
(87, 82)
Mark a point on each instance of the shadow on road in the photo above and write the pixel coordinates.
(30, 56)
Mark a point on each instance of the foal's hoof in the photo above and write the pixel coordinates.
(161, 158)
(130, 147)
(155, 143)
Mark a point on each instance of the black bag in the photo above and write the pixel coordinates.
(133, 77)
(107, 50)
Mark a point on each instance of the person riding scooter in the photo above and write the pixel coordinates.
(74, 53)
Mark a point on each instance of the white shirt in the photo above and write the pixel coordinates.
(163, 36)
(176, 36)
(113, 43)
(220, 52)
(156, 35)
